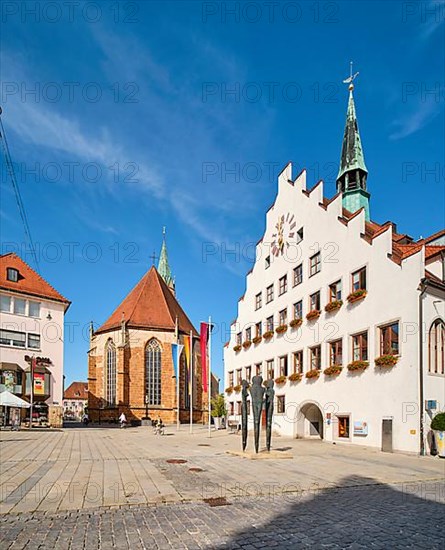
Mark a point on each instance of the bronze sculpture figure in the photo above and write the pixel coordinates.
(270, 393)
(257, 395)
(244, 394)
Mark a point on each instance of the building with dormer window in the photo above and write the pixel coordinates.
(348, 316)
(31, 327)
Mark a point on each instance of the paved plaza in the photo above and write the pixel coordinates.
(110, 488)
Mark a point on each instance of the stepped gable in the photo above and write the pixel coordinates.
(29, 281)
(150, 305)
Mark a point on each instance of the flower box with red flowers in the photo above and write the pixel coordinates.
(268, 334)
(229, 390)
(314, 314)
(237, 348)
(357, 295)
(295, 323)
(257, 339)
(314, 373)
(247, 344)
(281, 329)
(333, 370)
(280, 379)
(333, 306)
(358, 365)
(237, 388)
(386, 360)
(295, 377)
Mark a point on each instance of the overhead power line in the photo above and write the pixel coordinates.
(16, 188)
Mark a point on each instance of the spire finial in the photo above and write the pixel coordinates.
(153, 258)
(351, 77)
(163, 231)
(163, 265)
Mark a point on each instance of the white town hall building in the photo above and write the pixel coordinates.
(331, 312)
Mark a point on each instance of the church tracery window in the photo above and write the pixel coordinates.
(153, 372)
(110, 374)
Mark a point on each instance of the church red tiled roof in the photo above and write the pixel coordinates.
(29, 282)
(150, 305)
(76, 390)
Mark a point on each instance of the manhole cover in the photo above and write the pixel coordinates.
(196, 470)
(176, 461)
(216, 501)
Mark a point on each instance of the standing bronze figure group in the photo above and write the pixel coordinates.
(260, 397)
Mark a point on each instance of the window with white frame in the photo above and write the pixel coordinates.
(239, 338)
(282, 362)
(33, 309)
(335, 291)
(269, 294)
(298, 362)
(282, 285)
(389, 339)
(283, 316)
(19, 306)
(258, 329)
(315, 357)
(298, 310)
(258, 300)
(314, 264)
(239, 375)
(231, 378)
(281, 404)
(248, 373)
(5, 303)
(34, 341)
(248, 334)
(12, 274)
(13, 338)
(269, 323)
(360, 347)
(269, 368)
(298, 275)
(314, 301)
(358, 279)
(258, 369)
(336, 352)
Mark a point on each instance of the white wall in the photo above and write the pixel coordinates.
(51, 340)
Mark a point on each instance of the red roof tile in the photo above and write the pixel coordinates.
(29, 281)
(76, 390)
(150, 305)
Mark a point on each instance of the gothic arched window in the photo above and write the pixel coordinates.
(153, 373)
(436, 344)
(110, 373)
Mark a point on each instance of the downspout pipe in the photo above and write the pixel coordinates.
(423, 287)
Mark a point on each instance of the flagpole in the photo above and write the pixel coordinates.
(32, 393)
(209, 381)
(177, 372)
(191, 382)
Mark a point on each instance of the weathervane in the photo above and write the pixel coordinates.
(351, 78)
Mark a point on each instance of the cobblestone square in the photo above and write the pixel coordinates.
(111, 488)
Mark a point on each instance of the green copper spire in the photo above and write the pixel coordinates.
(352, 174)
(163, 265)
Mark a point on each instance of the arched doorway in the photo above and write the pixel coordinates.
(310, 422)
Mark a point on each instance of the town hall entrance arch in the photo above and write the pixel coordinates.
(310, 422)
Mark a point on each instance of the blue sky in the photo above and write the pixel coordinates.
(132, 126)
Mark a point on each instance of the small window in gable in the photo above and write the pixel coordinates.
(12, 274)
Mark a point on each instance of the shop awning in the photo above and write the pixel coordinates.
(8, 399)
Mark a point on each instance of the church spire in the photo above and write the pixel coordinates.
(352, 174)
(163, 265)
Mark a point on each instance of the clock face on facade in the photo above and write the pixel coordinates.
(285, 230)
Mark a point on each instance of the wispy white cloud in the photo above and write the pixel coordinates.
(417, 119)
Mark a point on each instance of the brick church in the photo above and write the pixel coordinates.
(130, 363)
